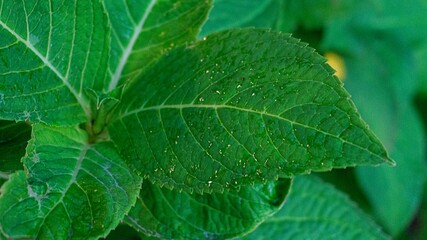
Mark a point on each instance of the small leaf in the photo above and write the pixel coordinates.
(240, 107)
(50, 52)
(171, 214)
(71, 189)
(144, 30)
(315, 210)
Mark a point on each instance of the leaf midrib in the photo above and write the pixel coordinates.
(221, 106)
(73, 179)
(128, 51)
(64, 80)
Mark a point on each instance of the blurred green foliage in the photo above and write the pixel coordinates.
(384, 46)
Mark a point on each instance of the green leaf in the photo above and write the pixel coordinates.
(406, 19)
(240, 107)
(282, 15)
(171, 214)
(275, 16)
(228, 14)
(396, 205)
(123, 232)
(386, 104)
(316, 210)
(345, 180)
(420, 231)
(144, 30)
(13, 140)
(421, 55)
(315, 14)
(50, 51)
(71, 189)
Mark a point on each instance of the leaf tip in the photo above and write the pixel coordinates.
(390, 161)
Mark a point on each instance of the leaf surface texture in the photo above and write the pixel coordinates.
(316, 210)
(50, 52)
(144, 30)
(86, 188)
(163, 213)
(240, 107)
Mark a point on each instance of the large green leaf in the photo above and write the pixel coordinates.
(171, 214)
(50, 51)
(240, 107)
(71, 189)
(13, 140)
(144, 30)
(316, 210)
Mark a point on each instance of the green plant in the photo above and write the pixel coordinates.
(383, 47)
(117, 92)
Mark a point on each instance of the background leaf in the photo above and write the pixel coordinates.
(316, 210)
(144, 30)
(384, 95)
(396, 204)
(282, 15)
(171, 214)
(421, 54)
(241, 107)
(71, 189)
(49, 54)
(231, 14)
(417, 231)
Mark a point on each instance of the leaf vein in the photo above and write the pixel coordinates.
(213, 106)
(116, 77)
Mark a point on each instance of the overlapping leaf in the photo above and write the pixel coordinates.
(50, 51)
(71, 189)
(167, 214)
(13, 140)
(240, 107)
(144, 30)
(315, 210)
